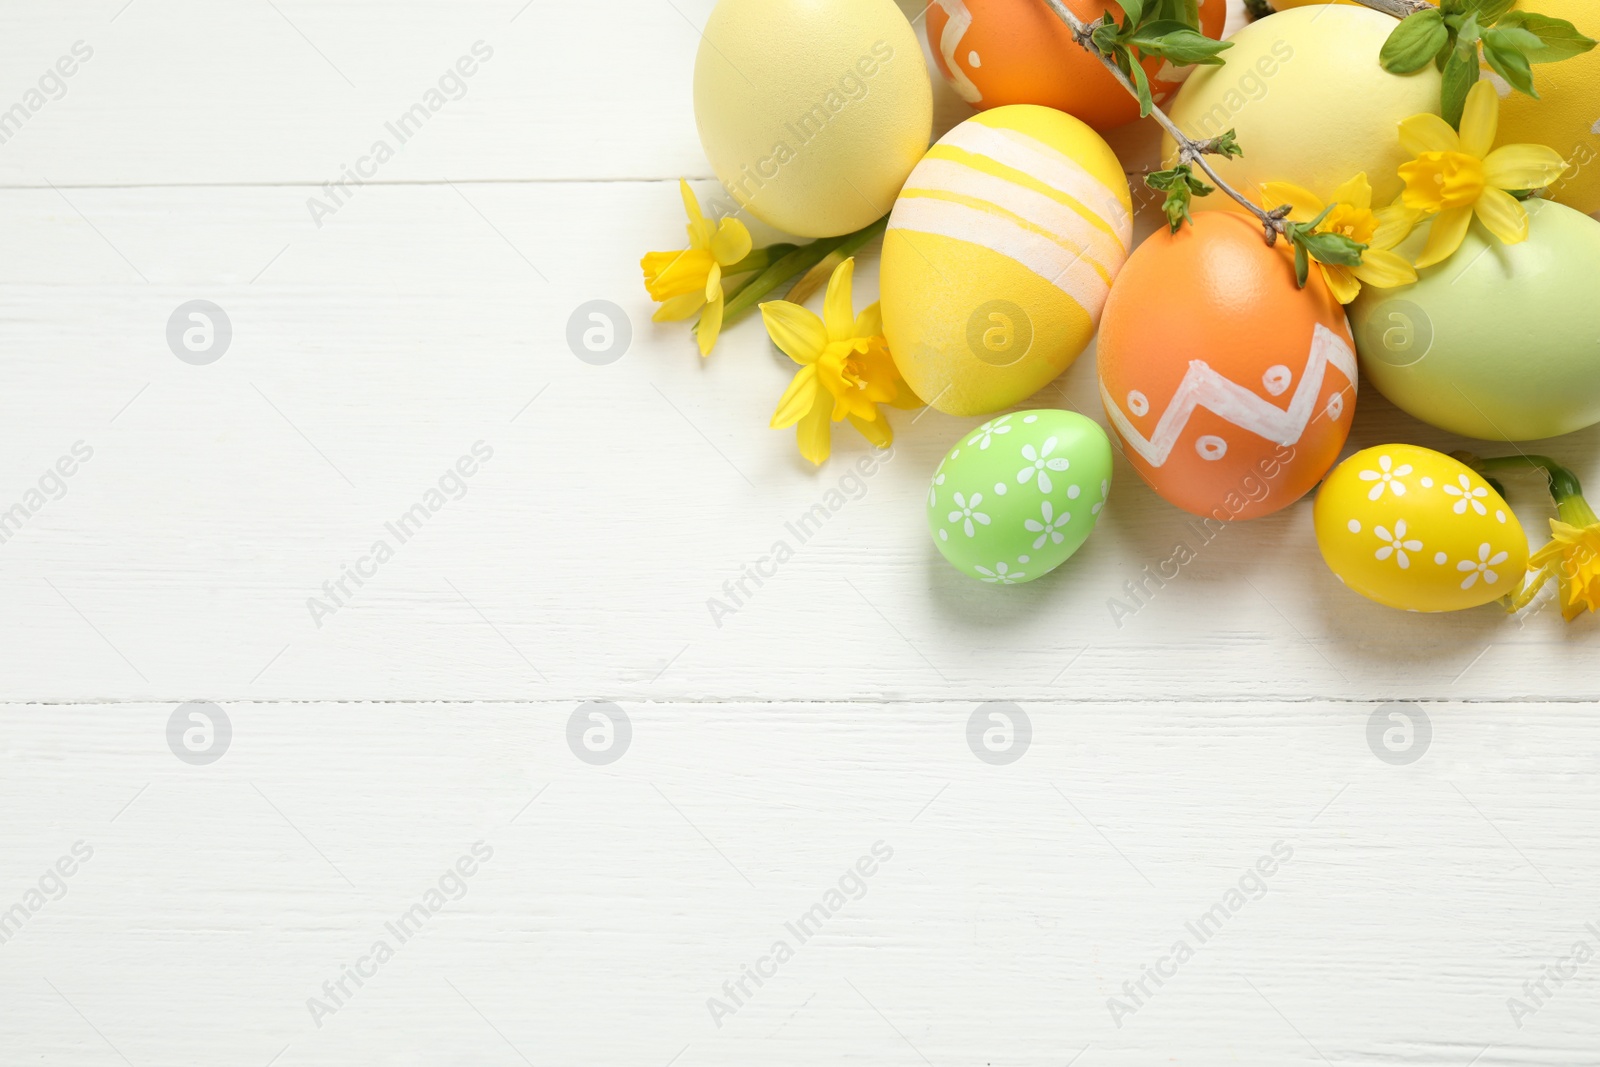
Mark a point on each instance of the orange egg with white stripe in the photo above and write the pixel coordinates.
(999, 256)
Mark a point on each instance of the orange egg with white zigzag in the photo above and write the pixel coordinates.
(998, 52)
(1230, 387)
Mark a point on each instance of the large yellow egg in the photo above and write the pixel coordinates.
(1415, 529)
(812, 112)
(1310, 101)
(1567, 114)
(999, 256)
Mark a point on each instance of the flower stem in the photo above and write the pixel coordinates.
(1189, 150)
(759, 259)
(1563, 484)
(749, 293)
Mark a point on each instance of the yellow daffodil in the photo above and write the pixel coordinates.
(1572, 558)
(691, 280)
(1456, 175)
(845, 368)
(1352, 216)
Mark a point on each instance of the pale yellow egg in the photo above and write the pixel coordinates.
(999, 257)
(812, 112)
(1310, 102)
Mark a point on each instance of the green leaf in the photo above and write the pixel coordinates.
(1334, 249)
(1133, 9)
(1488, 11)
(1513, 37)
(1508, 61)
(1460, 75)
(1225, 145)
(1141, 84)
(1414, 42)
(1184, 11)
(1105, 37)
(1178, 43)
(1559, 39)
(1302, 264)
(1181, 185)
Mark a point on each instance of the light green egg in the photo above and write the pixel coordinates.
(1015, 498)
(1500, 342)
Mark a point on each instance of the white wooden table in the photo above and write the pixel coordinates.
(625, 876)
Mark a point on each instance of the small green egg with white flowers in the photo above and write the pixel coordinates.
(1015, 498)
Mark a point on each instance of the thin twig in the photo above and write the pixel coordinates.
(1189, 150)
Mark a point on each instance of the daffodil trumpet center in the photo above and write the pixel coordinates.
(1439, 181)
(1347, 220)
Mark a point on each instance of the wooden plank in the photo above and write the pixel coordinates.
(369, 355)
(1405, 906)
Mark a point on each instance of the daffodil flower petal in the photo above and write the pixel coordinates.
(731, 243)
(1449, 230)
(1343, 284)
(797, 399)
(1428, 133)
(1303, 203)
(1384, 269)
(1523, 166)
(798, 333)
(691, 204)
(877, 431)
(679, 307)
(714, 281)
(814, 434)
(1357, 192)
(1505, 218)
(670, 274)
(710, 325)
(1481, 120)
(1395, 224)
(870, 322)
(838, 310)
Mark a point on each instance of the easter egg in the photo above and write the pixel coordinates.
(998, 52)
(1567, 114)
(812, 112)
(1415, 529)
(1310, 102)
(999, 255)
(1499, 341)
(1231, 388)
(1015, 498)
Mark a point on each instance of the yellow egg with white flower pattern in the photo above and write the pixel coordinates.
(1415, 529)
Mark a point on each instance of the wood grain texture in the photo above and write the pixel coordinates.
(370, 354)
(1018, 899)
(433, 710)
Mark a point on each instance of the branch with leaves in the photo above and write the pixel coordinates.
(1169, 29)
(1451, 36)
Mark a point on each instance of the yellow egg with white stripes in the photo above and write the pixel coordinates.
(1000, 253)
